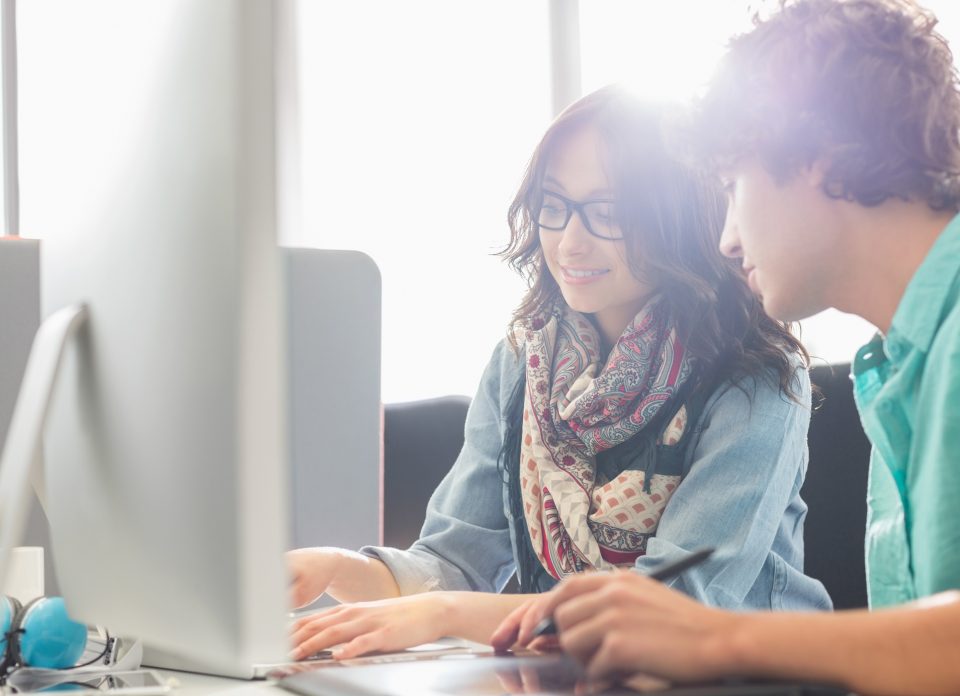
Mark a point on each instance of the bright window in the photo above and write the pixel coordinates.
(417, 122)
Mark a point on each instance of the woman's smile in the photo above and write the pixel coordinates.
(582, 276)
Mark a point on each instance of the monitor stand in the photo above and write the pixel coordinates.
(20, 464)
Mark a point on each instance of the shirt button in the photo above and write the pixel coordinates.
(894, 351)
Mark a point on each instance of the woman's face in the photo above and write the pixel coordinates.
(592, 273)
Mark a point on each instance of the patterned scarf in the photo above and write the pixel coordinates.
(570, 413)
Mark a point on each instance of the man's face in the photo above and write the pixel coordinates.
(784, 235)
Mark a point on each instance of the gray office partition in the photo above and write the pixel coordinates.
(333, 339)
(335, 445)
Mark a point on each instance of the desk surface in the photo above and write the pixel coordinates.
(193, 684)
(189, 684)
(201, 685)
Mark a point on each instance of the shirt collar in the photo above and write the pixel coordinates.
(869, 356)
(921, 308)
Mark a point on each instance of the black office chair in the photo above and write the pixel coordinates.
(836, 490)
(421, 441)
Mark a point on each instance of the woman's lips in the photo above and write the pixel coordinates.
(582, 276)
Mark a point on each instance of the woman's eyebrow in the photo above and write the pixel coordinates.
(605, 192)
(554, 183)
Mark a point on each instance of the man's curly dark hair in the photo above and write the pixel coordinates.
(865, 87)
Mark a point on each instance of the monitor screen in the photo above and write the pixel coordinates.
(165, 453)
(198, 427)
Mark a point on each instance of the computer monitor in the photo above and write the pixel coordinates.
(166, 454)
(165, 451)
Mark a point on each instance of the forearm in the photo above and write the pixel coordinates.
(360, 578)
(911, 650)
(475, 615)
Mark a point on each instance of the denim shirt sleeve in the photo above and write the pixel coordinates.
(745, 469)
(465, 543)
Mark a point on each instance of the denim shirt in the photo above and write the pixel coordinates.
(740, 494)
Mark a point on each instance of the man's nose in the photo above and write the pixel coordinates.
(730, 238)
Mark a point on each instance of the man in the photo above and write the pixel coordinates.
(834, 127)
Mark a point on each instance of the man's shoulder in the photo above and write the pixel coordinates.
(945, 347)
(936, 375)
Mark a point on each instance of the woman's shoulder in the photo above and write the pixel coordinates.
(503, 372)
(762, 390)
(507, 357)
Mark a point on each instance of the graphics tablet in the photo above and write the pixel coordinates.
(479, 675)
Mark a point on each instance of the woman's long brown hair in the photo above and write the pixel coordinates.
(671, 217)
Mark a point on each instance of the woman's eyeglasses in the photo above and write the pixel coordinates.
(598, 216)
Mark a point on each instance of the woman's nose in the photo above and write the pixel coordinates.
(576, 237)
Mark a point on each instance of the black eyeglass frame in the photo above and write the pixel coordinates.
(571, 208)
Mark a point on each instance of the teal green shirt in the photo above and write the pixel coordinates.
(907, 388)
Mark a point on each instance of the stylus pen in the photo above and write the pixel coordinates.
(547, 627)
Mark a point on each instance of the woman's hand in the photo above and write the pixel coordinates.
(622, 623)
(311, 572)
(380, 626)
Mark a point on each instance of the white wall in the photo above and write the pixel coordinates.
(418, 119)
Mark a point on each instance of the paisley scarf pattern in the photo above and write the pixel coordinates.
(574, 408)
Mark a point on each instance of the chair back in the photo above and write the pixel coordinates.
(421, 441)
(836, 490)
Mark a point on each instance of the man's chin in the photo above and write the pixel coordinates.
(787, 311)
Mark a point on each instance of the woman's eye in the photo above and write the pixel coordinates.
(605, 213)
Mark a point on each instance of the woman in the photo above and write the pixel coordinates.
(642, 406)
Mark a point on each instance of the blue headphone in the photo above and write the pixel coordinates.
(39, 634)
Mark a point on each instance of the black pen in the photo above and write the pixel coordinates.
(547, 627)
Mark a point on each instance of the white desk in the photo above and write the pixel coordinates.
(190, 684)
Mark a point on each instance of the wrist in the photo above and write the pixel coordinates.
(731, 647)
(450, 611)
(338, 562)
